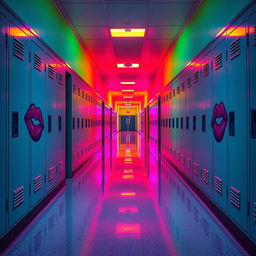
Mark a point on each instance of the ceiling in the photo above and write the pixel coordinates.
(92, 20)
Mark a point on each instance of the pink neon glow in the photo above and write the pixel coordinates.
(133, 209)
(128, 229)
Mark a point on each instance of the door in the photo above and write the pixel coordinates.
(127, 123)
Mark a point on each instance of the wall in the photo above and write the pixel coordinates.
(50, 26)
(209, 19)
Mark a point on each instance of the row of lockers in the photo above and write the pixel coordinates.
(207, 121)
(33, 94)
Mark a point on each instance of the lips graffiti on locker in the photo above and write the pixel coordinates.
(219, 121)
(34, 122)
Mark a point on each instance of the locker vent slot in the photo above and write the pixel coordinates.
(60, 78)
(18, 197)
(254, 212)
(218, 185)
(78, 91)
(196, 169)
(51, 72)
(235, 49)
(206, 69)
(60, 166)
(235, 197)
(18, 49)
(38, 62)
(189, 82)
(254, 35)
(189, 163)
(51, 173)
(178, 90)
(196, 76)
(218, 61)
(183, 87)
(205, 175)
(37, 183)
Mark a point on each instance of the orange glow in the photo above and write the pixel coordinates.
(128, 194)
(128, 177)
(133, 209)
(127, 90)
(127, 83)
(127, 65)
(21, 32)
(128, 171)
(127, 32)
(234, 31)
(127, 97)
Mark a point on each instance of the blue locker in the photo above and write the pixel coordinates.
(252, 119)
(204, 126)
(220, 146)
(3, 125)
(36, 111)
(19, 48)
(51, 125)
(238, 126)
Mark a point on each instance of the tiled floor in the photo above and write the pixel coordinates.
(111, 207)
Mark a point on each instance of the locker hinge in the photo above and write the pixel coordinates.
(247, 39)
(6, 204)
(248, 208)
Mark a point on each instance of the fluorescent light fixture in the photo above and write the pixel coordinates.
(128, 90)
(127, 97)
(128, 65)
(127, 32)
(127, 83)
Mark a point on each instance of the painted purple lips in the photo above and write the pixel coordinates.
(219, 121)
(34, 122)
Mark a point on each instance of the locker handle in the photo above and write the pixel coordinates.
(253, 124)
(15, 124)
(232, 123)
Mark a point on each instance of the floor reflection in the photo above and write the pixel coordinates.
(126, 201)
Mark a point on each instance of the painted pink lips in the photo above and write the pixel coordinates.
(219, 121)
(34, 122)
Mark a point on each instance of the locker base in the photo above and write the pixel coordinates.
(239, 234)
(9, 237)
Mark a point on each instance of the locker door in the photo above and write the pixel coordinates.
(3, 125)
(37, 108)
(220, 146)
(204, 127)
(51, 125)
(252, 113)
(238, 127)
(19, 47)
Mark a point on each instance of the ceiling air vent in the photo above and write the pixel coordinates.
(196, 76)
(206, 69)
(18, 49)
(218, 185)
(196, 169)
(51, 72)
(235, 197)
(51, 173)
(37, 183)
(218, 61)
(235, 49)
(205, 175)
(38, 62)
(18, 197)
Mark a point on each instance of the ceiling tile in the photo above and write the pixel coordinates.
(86, 14)
(169, 13)
(127, 15)
(162, 32)
(93, 32)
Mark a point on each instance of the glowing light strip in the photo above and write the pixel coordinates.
(127, 65)
(127, 97)
(127, 32)
(127, 83)
(128, 90)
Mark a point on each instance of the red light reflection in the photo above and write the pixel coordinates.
(128, 230)
(133, 209)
